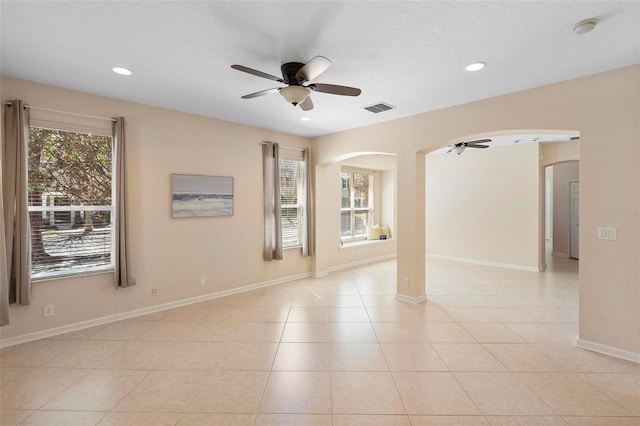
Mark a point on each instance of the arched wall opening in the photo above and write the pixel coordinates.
(483, 206)
(563, 158)
(346, 213)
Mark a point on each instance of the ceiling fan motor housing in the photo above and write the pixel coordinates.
(289, 71)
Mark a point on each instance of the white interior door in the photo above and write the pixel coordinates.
(548, 209)
(574, 243)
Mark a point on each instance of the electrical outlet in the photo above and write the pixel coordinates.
(154, 291)
(203, 281)
(48, 311)
(607, 233)
(290, 265)
(405, 282)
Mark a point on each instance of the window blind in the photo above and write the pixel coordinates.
(292, 198)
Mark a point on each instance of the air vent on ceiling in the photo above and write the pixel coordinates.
(379, 107)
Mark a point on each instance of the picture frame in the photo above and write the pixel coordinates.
(201, 196)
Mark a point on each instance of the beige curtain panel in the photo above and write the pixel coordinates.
(308, 241)
(15, 279)
(123, 269)
(272, 249)
(4, 270)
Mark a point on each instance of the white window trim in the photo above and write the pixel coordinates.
(359, 237)
(59, 121)
(346, 245)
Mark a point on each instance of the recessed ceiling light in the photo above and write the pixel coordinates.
(585, 26)
(476, 66)
(121, 71)
(305, 118)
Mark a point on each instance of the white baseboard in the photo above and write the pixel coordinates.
(16, 340)
(487, 263)
(560, 254)
(361, 262)
(608, 350)
(11, 341)
(409, 299)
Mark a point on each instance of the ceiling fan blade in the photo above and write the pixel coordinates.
(335, 89)
(477, 141)
(261, 93)
(256, 72)
(313, 68)
(477, 146)
(307, 104)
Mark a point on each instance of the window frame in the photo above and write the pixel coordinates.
(354, 210)
(290, 155)
(90, 128)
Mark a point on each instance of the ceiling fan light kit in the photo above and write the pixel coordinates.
(295, 75)
(294, 94)
(458, 149)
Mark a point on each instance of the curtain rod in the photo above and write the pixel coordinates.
(63, 112)
(285, 147)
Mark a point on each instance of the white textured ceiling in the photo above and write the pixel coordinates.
(408, 54)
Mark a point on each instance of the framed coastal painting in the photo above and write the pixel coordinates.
(201, 196)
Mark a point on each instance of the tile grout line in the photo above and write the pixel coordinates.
(275, 356)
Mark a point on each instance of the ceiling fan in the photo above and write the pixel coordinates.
(459, 147)
(296, 76)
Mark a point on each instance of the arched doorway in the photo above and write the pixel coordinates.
(486, 206)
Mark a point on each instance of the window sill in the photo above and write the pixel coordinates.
(360, 243)
(65, 275)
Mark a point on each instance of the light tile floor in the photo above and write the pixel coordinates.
(490, 347)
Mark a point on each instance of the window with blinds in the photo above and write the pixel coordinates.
(292, 197)
(70, 202)
(356, 203)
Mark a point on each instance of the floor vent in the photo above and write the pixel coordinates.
(379, 107)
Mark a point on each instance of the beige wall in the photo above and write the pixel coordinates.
(170, 254)
(604, 109)
(562, 174)
(551, 153)
(483, 205)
